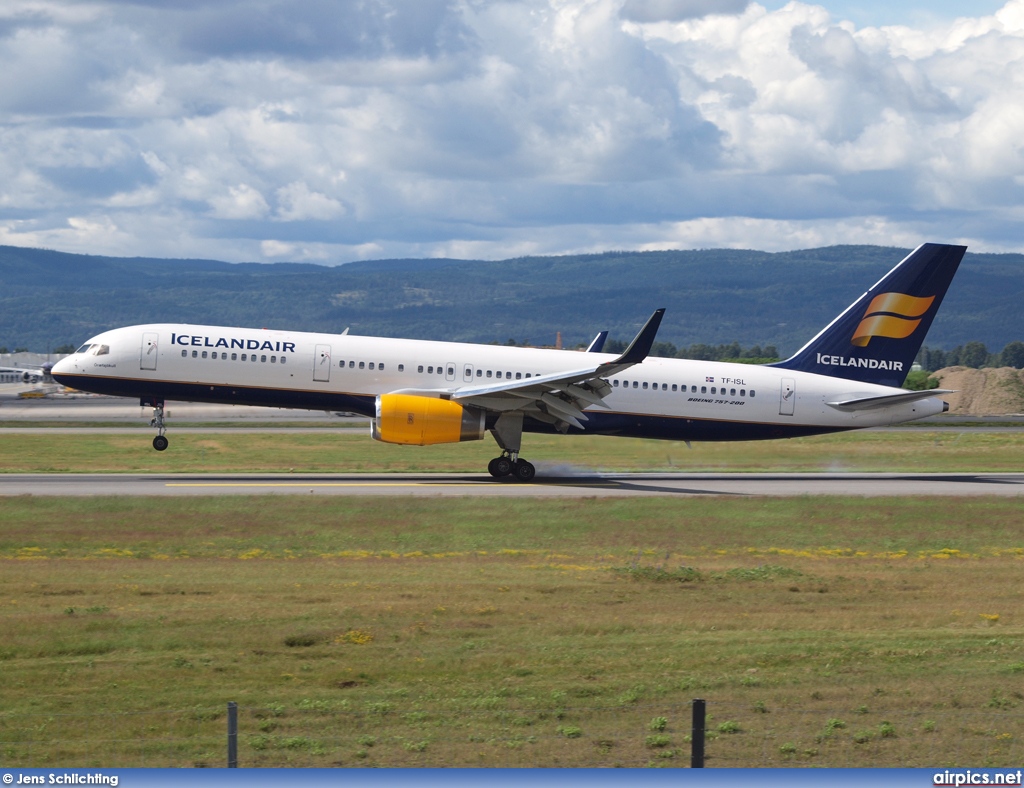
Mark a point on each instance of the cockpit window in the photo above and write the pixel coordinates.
(100, 350)
(84, 348)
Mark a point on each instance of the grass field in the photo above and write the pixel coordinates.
(913, 451)
(465, 632)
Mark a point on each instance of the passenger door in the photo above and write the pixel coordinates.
(150, 350)
(787, 397)
(322, 363)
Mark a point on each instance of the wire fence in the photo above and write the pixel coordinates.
(636, 735)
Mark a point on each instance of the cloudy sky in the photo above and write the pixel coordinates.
(337, 130)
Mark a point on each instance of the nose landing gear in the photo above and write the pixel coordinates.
(160, 442)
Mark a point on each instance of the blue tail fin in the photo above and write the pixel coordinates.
(877, 338)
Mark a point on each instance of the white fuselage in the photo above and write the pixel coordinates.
(658, 398)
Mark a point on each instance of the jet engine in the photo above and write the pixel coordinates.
(413, 420)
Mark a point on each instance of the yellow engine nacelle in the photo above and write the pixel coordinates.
(422, 421)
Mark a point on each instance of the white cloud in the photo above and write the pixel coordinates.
(333, 131)
(297, 203)
(241, 202)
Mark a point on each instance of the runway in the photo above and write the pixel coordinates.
(546, 485)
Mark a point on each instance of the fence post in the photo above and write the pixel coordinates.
(697, 734)
(232, 735)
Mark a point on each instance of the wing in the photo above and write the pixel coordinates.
(559, 398)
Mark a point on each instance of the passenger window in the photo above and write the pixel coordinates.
(634, 384)
(664, 387)
(244, 358)
(714, 390)
(673, 386)
(693, 389)
(451, 370)
(213, 354)
(204, 354)
(371, 365)
(615, 383)
(351, 365)
(273, 359)
(184, 353)
(743, 392)
(645, 384)
(508, 376)
(479, 373)
(195, 354)
(703, 389)
(732, 392)
(362, 365)
(283, 359)
(263, 359)
(401, 367)
(440, 370)
(519, 376)
(488, 373)
(527, 374)
(498, 374)
(253, 357)
(751, 392)
(380, 367)
(341, 364)
(419, 368)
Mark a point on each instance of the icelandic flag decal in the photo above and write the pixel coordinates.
(709, 380)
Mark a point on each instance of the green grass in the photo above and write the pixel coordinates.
(237, 451)
(464, 632)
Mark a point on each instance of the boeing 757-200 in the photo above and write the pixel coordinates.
(420, 392)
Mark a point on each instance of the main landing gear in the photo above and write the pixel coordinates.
(159, 442)
(509, 464)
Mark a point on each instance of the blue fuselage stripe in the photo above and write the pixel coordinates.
(632, 425)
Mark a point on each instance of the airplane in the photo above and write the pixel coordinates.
(421, 392)
(30, 373)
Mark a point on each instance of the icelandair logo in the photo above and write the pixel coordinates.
(891, 315)
(240, 344)
(867, 363)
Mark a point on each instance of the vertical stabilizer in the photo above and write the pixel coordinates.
(877, 338)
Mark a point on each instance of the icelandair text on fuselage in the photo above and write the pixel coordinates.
(239, 344)
(868, 363)
(970, 777)
(72, 778)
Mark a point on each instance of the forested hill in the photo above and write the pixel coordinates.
(714, 296)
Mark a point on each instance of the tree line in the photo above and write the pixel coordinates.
(972, 354)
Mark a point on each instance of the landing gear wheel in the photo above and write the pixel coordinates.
(523, 471)
(159, 443)
(499, 466)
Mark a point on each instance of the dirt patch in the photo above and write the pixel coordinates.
(983, 392)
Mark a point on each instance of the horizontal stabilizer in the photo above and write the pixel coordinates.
(851, 402)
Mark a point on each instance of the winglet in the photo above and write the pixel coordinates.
(598, 344)
(641, 344)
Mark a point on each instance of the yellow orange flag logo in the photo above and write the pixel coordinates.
(891, 315)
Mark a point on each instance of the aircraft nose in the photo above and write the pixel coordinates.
(63, 366)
